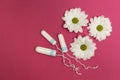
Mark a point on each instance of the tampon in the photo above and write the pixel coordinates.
(62, 43)
(45, 51)
(48, 37)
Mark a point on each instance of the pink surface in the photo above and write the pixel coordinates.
(20, 24)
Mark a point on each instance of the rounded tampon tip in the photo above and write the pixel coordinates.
(37, 49)
(42, 31)
(59, 35)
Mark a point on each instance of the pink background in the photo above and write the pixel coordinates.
(20, 24)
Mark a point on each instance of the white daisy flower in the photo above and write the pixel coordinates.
(83, 47)
(75, 19)
(100, 27)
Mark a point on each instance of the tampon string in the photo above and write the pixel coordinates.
(84, 66)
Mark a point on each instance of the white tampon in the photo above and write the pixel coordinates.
(45, 51)
(62, 43)
(48, 37)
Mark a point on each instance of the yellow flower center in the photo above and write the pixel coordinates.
(99, 28)
(83, 47)
(75, 20)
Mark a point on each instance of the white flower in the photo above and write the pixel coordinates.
(75, 19)
(100, 27)
(83, 47)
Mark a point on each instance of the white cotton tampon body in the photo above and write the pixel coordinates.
(62, 43)
(45, 51)
(48, 37)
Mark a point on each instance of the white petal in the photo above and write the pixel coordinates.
(107, 28)
(78, 53)
(72, 13)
